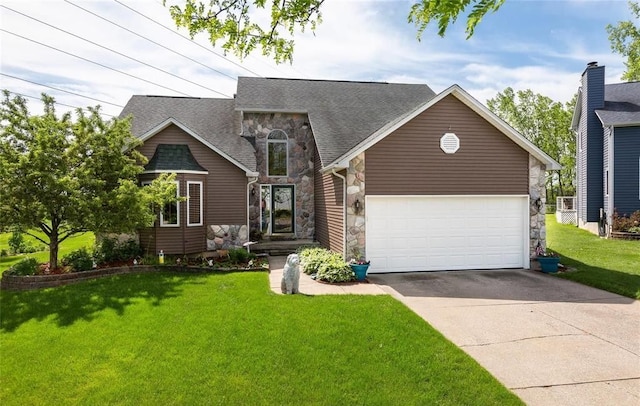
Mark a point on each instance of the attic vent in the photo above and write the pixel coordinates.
(449, 143)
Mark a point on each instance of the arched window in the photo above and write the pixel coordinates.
(277, 153)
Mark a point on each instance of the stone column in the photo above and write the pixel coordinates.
(537, 190)
(356, 218)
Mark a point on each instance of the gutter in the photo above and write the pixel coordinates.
(251, 182)
(344, 212)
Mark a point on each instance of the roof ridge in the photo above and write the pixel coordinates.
(334, 81)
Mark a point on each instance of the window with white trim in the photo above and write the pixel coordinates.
(277, 153)
(194, 204)
(170, 213)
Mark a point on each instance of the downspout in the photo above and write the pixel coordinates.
(344, 210)
(251, 182)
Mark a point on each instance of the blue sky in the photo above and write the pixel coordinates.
(534, 44)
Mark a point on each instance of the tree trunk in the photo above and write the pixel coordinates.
(53, 249)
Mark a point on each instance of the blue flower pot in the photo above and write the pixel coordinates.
(549, 264)
(360, 270)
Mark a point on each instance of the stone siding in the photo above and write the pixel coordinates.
(301, 147)
(356, 221)
(537, 190)
(226, 236)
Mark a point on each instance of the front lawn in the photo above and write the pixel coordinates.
(68, 245)
(166, 338)
(612, 265)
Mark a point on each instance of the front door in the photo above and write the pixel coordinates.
(282, 200)
(277, 209)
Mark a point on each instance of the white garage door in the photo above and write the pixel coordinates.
(433, 233)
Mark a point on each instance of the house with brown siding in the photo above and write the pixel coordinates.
(413, 180)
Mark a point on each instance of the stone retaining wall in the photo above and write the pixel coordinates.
(17, 282)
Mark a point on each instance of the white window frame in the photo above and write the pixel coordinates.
(278, 141)
(177, 224)
(189, 223)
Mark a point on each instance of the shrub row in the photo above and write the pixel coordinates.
(81, 260)
(327, 265)
(624, 223)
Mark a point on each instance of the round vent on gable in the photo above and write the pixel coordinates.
(449, 143)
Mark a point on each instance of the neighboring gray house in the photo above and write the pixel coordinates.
(413, 180)
(607, 125)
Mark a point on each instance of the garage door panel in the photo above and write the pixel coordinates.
(424, 233)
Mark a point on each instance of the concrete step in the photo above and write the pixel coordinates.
(276, 248)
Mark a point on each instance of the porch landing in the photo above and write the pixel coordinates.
(284, 247)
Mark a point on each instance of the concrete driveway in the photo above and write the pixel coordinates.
(550, 341)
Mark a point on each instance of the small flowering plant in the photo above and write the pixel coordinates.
(357, 259)
(541, 252)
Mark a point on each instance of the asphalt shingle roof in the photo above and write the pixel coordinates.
(621, 105)
(214, 120)
(173, 157)
(342, 114)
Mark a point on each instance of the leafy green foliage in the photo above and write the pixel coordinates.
(238, 255)
(229, 21)
(79, 260)
(328, 266)
(235, 22)
(16, 243)
(312, 257)
(335, 270)
(27, 266)
(110, 250)
(447, 12)
(625, 40)
(625, 223)
(64, 177)
(547, 125)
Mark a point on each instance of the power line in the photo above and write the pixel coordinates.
(116, 52)
(61, 90)
(150, 40)
(58, 103)
(188, 39)
(95, 63)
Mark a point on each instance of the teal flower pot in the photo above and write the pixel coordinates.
(360, 270)
(549, 264)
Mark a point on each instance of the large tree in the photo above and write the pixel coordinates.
(625, 40)
(64, 176)
(235, 22)
(547, 125)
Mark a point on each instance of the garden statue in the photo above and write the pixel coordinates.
(291, 275)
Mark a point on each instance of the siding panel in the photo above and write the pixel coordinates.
(626, 186)
(329, 208)
(410, 161)
(224, 194)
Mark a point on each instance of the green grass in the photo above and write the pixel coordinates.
(68, 245)
(612, 265)
(162, 338)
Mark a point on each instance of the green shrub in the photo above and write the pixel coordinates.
(27, 266)
(79, 260)
(625, 223)
(4, 253)
(328, 266)
(16, 243)
(335, 270)
(129, 249)
(238, 255)
(312, 258)
(110, 250)
(29, 249)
